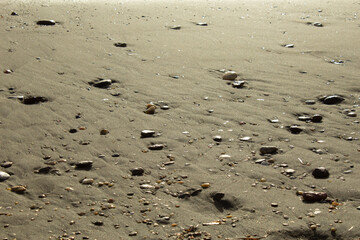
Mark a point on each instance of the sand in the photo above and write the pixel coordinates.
(195, 187)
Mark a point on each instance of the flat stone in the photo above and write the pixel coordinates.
(104, 83)
(4, 176)
(46, 22)
(137, 171)
(320, 172)
(158, 146)
(84, 164)
(120, 44)
(314, 196)
(230, 75)
(295, 129)
(332, 99)
(6, 164)
(217, 138)
(29, 100)
(147, 133)
(268, 150)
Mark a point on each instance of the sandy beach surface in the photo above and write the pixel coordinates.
(270, 153)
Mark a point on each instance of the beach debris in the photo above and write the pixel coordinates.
(84, 165)
(157, 146)
(4, 176)
(332, 99)
(268, 150)
(18, 189)
(120, 44)
(320, 172)
(46, 22)
(101, 83)
(137, 171)
(314, 196)
(217, 138)
(238, 84)
(30, 100)
(175, 27)
(294, 129)
(230, 75)
(150, 109)
(147, 133)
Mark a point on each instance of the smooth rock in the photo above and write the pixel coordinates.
(268, 150)
(331, 100)
(289, 45)
(73, 130)
(6, 164)
(295, 129)
(246, 139)
(84, 164)
(320, 172)
(175, 27)
(351, 114)
(310, 102)
(103, 83)
(217, 196)
(14, 13)
(316, 118)
(158, 146)
(87, 181)
(120, 44)
(104, 132)
(217, 138)
(238, 84)
(290, 171)
(304, 118)
(150, 109)
(46, 22)
(230, 75)
(137, 171)
(314, 196)
(18, 189)
(34, 100)
(4, 176)
(203, 24)
(147, 133)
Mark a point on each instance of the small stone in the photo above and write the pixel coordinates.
(310, 102)
(147, 186)
(304, 118)
(156, 146)
(46, 22)
(137, 171)
(73, 130)
(147, 133)
(268, 150)
(202, 24)
(14, 13)
(295, 129)
(316, 118)
(246, 139)
(290, 171)
(317, 24)
(175, 27)
(358, 208)
(320, 172)
(102, 83)
(217, 196)
(164, 107)
(289, 45)
(8, 71)
(205, 185)
(6, 164)
(131, 234)
(274, 204)
(238, 84)
(313, 227)
(217, 138)
(18, 189)
(150, 109)
(230, 75)
(33, 100)
(98, 223)
(331, 100)
(351, 114)
(84, 165)
(87, 181)
(4, 176)
(314, 196)
(120, 44)
(115, 155)
(104, 132)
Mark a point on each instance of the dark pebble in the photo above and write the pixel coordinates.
(314, 196)
(156, 146)
(84, 164)
(310, 102)
(73, 130)
(333, 99)
(217, 196)
(320, 172)
(316, 118)
(44, 170)
(14, 14)
(120, 44)
(268, 150)
(103, 83)
(217, 138)
(304, 118)
(147, 133)
(137, 171)
(46, 22)
(33, 100)
(98, 223)
(6, 164)
(295, 129)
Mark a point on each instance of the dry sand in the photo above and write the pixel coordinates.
(180, 69)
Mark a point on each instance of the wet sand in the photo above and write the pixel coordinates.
(208, 179)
